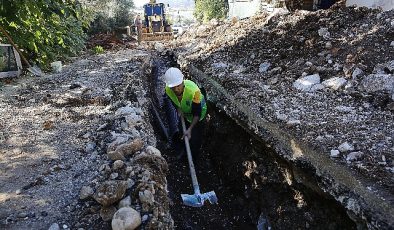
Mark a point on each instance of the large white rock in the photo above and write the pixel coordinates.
(152, 150)
(345, 147)
(126, 219)
(334, 153)
(306, 83)
(334, 83)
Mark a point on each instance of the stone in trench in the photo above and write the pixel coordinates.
(147, 199)
(219, 65)
(126, 149)
(133, 119)
(124, 111)
(334, 83)
(306, 83)
(118, 164)
(90, 147)
(345, 147)
(126, 202)
(354, 156)
(152, 150)
(334, 153)
(357, 73)
(113, 176)
(85, 192)
(105, 169)
(126, 219)
(110, 192)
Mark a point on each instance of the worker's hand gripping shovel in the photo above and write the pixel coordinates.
(197, 199)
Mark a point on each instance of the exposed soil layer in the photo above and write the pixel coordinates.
(318, 87)
(254, 188)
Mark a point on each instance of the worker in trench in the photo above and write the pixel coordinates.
(184, 98)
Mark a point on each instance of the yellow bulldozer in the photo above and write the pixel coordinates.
(155, 25)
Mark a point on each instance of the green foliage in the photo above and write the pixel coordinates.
(188, 21)
(110, 14)
(206, 10)
(98, 50)
(46, 29)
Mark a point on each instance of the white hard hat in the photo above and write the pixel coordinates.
(173, 77)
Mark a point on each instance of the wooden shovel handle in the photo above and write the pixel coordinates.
(14, 45)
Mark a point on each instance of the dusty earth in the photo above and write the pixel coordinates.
(317, 86)
(300, 127)
(55, 133)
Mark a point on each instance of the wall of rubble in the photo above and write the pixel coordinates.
(318, 86)
(131, 184)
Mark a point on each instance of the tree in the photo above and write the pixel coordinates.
(46, 30)
(206, 10)
(110, 14)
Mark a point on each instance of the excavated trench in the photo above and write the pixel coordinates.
(255, 187)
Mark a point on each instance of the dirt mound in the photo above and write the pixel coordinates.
(325, 78)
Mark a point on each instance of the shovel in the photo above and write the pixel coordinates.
(32, 69)
(197, 199)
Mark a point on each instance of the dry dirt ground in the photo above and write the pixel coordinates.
(318, 86)
(55, 133)
(323, 78)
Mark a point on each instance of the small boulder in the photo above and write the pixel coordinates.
(306, 83)
(334, 83)
(118, 164)
(345, 147)
(354, 156)
(126, 149)
(147, 199)
(126, 219)
(85, 192)
(126, 202)
(110, 192)
(152, 150)
(334, 153)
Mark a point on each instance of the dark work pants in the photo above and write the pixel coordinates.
(176, 131)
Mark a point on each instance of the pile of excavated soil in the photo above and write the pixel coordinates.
(324, 77)
(77, 149)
